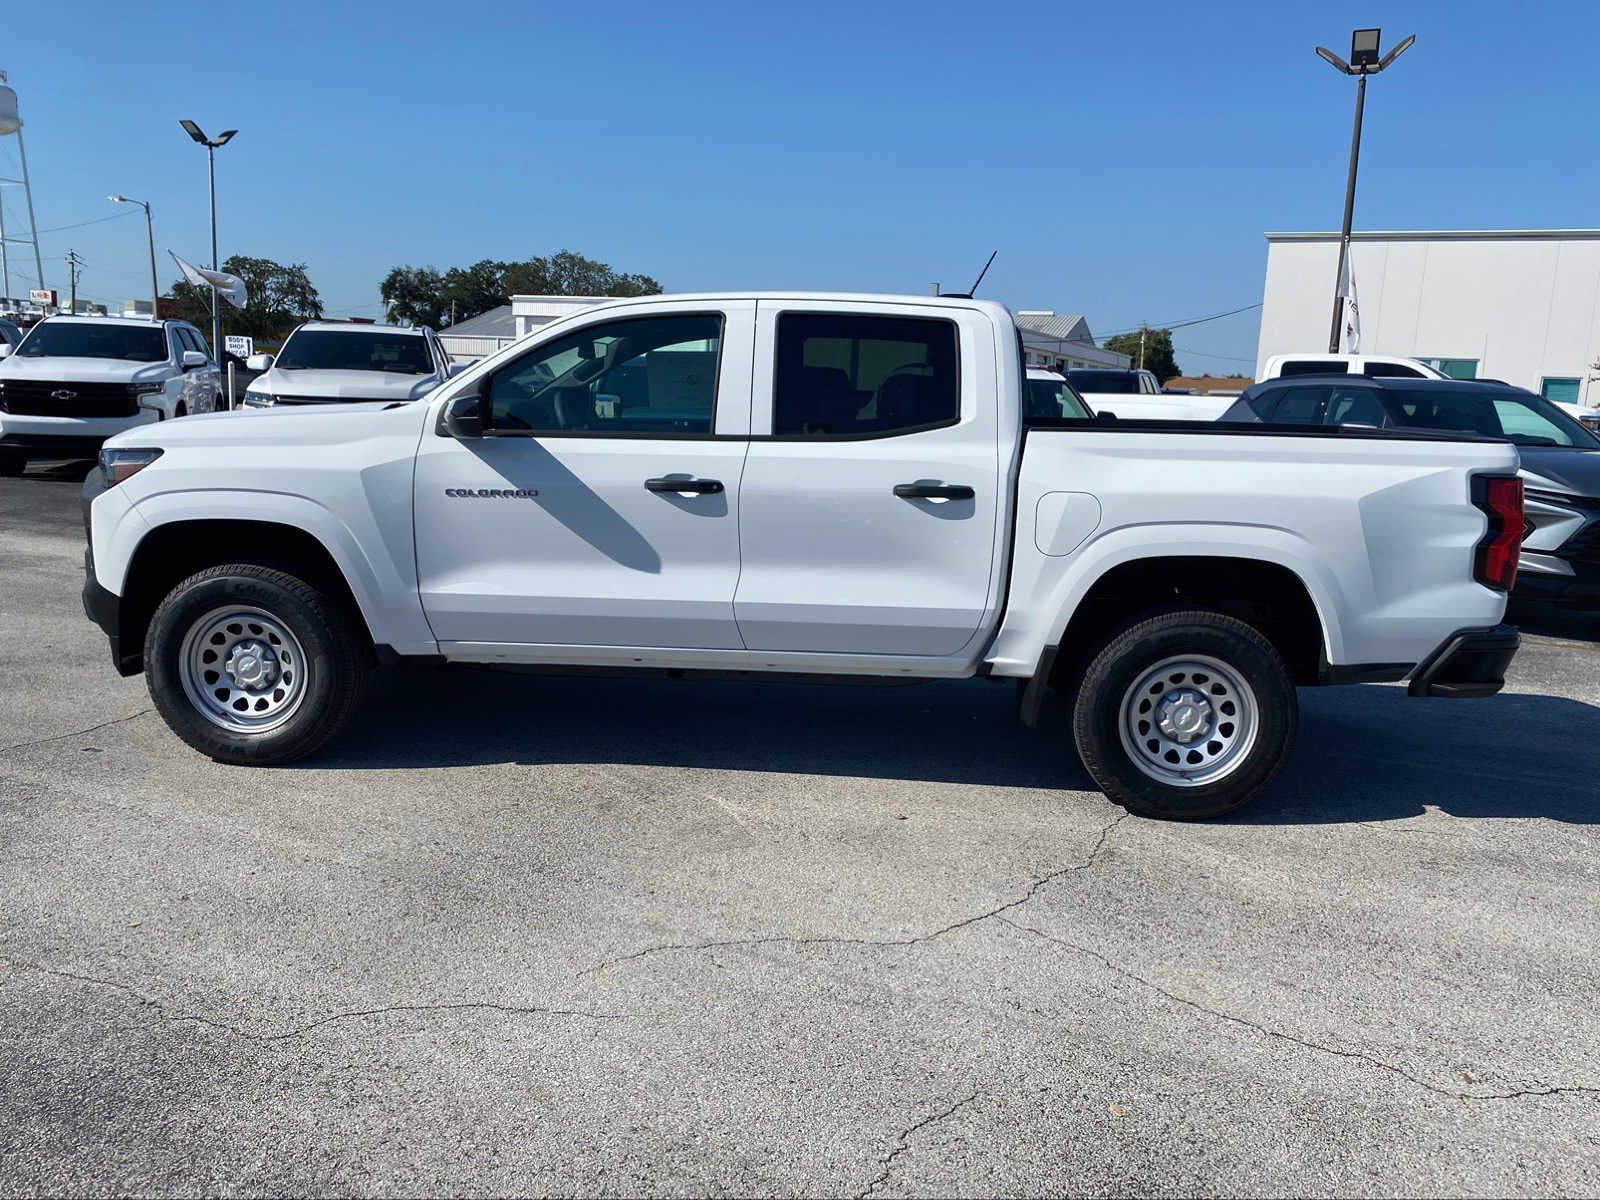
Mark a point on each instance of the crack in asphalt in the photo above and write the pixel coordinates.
(148, 1001)
(1038, 882)
(76, 732)
(903, 1143)
(1353, 1055)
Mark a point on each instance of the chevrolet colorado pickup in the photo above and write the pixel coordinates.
(822, 486)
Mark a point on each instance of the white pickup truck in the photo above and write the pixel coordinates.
(1136, 395)
(826, 486)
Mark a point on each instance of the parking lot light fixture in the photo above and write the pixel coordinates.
(1364, 61)
(150, 233)
(211, 144)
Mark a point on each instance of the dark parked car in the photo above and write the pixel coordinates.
(1560, 457)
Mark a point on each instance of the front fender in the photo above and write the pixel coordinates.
(381, 575)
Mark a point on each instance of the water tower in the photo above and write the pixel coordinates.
(11, 123)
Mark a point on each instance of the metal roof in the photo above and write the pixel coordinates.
(1447, 235)
(1072, 329)
(497, 322)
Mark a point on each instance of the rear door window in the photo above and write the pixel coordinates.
(1355, 406)
(1383, 370)
(844, 375)
(1300, 406)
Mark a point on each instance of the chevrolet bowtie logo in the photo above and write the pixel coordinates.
(63, 394)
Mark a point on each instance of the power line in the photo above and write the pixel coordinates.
(80, 224)
(1184, 324)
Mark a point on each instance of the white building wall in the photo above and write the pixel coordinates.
(1524, 304)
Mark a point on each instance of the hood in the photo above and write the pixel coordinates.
(1553, 469)
(311, 425)
(345, 385)
(83, 370)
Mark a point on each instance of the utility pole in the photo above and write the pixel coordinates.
(1143, 331)
(73, 263)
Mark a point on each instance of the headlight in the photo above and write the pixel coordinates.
(146, 389)
(260, 399)
(119, 464)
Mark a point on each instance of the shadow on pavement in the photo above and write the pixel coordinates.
(1375, 754)
(1364, 753)
(957, 732)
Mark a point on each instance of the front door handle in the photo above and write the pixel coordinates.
(684, 486)
(933, 491)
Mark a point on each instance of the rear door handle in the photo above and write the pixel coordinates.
(933, 491)
(685, 486)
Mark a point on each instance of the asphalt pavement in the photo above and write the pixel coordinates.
(541, 935)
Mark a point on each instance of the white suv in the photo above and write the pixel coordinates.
(340, 362)
(75, 381)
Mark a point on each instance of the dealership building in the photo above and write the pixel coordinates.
(1522, 306)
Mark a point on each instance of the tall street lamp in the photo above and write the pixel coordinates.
(211, 145)
(150, 232)
(1364, 61)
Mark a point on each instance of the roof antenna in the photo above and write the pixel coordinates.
(967, 295)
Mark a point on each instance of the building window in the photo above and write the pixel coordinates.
(1562, 391)
(1455, 368)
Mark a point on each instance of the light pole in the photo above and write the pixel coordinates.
(211, 145)
(150, 232)
(1364, 61)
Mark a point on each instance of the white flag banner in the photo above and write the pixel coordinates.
(1352, 311)
(230, 287)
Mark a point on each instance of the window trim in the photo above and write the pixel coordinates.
(486, 385)
(880, 435)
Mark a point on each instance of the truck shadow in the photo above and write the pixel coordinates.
(1364, 754)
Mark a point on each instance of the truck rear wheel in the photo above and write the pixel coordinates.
(13, 462)
(1185, 716)
(253, 665)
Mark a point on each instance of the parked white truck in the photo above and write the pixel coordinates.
(827, 486)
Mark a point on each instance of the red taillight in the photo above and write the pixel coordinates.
(1500, 499)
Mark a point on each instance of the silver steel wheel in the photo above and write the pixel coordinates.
(1188, 721)
(242, 669)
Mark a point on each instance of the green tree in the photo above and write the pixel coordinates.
(1158, 357)
(414, 294)
(279, 298)
(425, 296)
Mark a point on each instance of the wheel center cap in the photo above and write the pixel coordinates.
(252, 665)
(1185, 716)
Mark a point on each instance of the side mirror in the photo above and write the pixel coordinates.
(456, 369)
(259, 362)
(5, 349)
(463, 417)
(193, 359)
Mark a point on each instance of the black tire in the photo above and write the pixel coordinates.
(337, 659)
(1128, 657)
(12, 463)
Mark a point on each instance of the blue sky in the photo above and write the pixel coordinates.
(1124, 159)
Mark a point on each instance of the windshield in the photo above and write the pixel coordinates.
(342, 350)
(1054, 398)
(1511, 413)
(81, 339)
(1124, 382)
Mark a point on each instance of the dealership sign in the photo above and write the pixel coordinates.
(42, 296)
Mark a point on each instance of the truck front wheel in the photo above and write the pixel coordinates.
(1185, 716)
(253, 665)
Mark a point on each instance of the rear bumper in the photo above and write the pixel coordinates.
(1470, 663)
